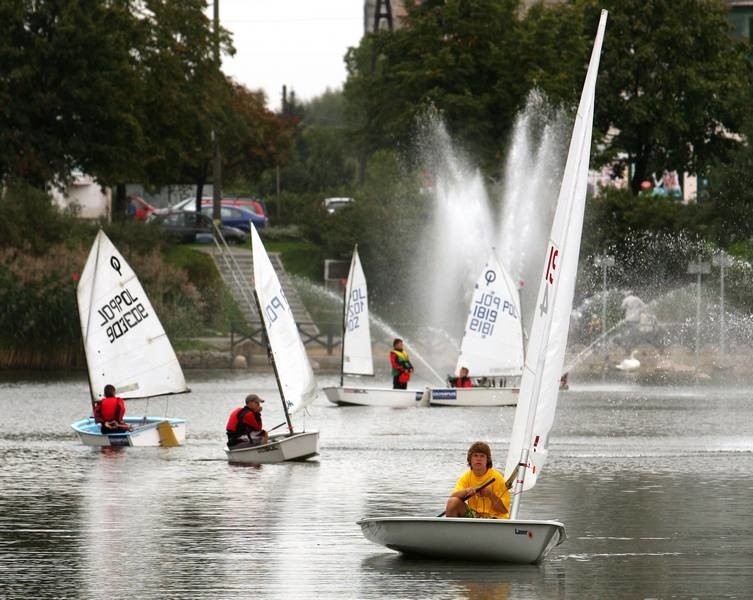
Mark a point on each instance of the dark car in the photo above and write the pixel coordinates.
(229, 217)
(189, 227)
(239, 217)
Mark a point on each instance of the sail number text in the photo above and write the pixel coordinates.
(275, 306)
(121, 314)
(485, 311)
(356, 307)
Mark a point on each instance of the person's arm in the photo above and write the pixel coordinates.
(250, 420)
(497, 502)
(394, 362)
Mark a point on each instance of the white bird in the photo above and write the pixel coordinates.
(629, 364)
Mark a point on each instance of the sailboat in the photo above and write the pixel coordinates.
(356, 358)
(492, 346)
(125, 346)
(293, 373)
(522, 540)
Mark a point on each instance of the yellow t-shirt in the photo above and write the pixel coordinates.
(482, 505)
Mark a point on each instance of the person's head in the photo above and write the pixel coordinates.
(479, 457)
(397, 344)
(109, 391)
(254, 402)
(463, 371)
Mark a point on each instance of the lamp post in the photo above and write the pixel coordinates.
(699, 268)
(721, 260)
(604, 261)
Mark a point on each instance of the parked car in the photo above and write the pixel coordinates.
(188, 227)
(230, 217)
(332, 205)
(237, 216)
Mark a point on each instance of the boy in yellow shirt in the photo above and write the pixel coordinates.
(468, 500)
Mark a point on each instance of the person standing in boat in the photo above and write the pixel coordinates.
(471, 499)
(110, 412)
(244, 424)
(401, 365)
(462, 380)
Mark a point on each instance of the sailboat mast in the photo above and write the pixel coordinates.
(539, 388)
(92, 393)
(274, 366)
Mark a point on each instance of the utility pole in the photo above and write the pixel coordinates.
(217, 162)
(604, 261)
(699, 268)
(721, 260)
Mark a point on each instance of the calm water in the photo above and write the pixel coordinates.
(654, 485)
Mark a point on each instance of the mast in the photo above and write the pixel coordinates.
(346, 309)
(547, 344)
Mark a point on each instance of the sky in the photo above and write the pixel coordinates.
(298, 43)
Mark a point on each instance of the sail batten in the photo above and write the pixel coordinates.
(545, 355)
(124, 341)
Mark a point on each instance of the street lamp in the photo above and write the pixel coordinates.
(604, 261)
(699, 268)
(721, 260)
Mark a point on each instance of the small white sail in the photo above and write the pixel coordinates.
(293, 367)
(124, 341)
(493, 338)
(537, 401)
(357, 358)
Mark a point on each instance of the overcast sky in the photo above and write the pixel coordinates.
(298, 43)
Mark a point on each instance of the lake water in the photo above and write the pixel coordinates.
(654, 485)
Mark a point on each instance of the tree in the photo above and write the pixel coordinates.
(68, 90)
(458, 56)
(672, 84)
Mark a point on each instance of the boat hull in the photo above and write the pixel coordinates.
(351, 396)
(475, 396)
(146, 432)
(281, 448)
(492, 540)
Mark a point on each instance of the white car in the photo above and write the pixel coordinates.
(333, 204)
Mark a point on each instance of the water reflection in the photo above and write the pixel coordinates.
(654, 487)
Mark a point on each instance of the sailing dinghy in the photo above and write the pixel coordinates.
(293, 372)
(356, 358)
(521, 540)
(492, 346)
(125, 346)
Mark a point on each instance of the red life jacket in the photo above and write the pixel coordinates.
(237, 424)
(112, 408)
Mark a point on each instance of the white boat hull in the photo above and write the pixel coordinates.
(145, 432)
(493, 540)
(351, 396)
(475, 396)
(298, 446)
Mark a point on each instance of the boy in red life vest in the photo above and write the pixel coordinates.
(111, 412)
(244, 424)
(401, 365)
(462, 380)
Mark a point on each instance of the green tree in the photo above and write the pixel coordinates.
(672, 84)
(458, 56)
(68, 90)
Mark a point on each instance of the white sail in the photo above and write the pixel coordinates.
(293, 367)
(357, 358)
(534, 415)
(493, 338)
(124, 341)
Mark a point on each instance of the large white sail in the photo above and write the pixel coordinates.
(493, 338)
(293, 367)
(124, 341)
(357, 358)
(537, 401)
